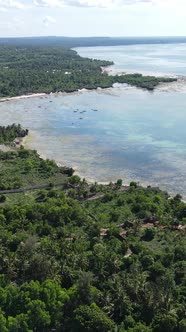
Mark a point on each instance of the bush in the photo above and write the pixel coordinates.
(164, 323)
(149, 234)
(2, 198)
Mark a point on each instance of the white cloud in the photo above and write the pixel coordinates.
(100, 3)
(3, 10)
(48, 20)
(48, 3)
(8, 4)
(78, 3)
(13, 24)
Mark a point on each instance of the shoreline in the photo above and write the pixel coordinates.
(181, 80)
(27, 142)
(98, 89)
(110, 70)
(59, 93)
(27, 139)
(4, 99)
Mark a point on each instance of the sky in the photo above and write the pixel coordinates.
(21, 18)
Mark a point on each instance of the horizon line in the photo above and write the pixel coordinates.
(55, 36)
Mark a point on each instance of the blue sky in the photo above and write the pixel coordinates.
(92, 18)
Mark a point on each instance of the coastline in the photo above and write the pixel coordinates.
(36, 95)
(90, 181)
(110, 70)
(4, 99)
(180, 81)
(142, 184)
(26, 140)
(179, 85)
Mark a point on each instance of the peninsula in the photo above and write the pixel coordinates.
(32, 69)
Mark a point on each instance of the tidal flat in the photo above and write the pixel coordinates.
(121, 132)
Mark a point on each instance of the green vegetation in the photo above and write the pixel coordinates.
(85, 257)
(24, 168)
(9, 133)
(140, 81)
(25, 70)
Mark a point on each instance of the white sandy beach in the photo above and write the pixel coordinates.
(22, 97)
(111, 70)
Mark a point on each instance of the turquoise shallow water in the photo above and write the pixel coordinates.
(121, 132)
(149, 59)
(133, 134)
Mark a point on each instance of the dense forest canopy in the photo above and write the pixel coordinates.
(85, 258)
(25, 70)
